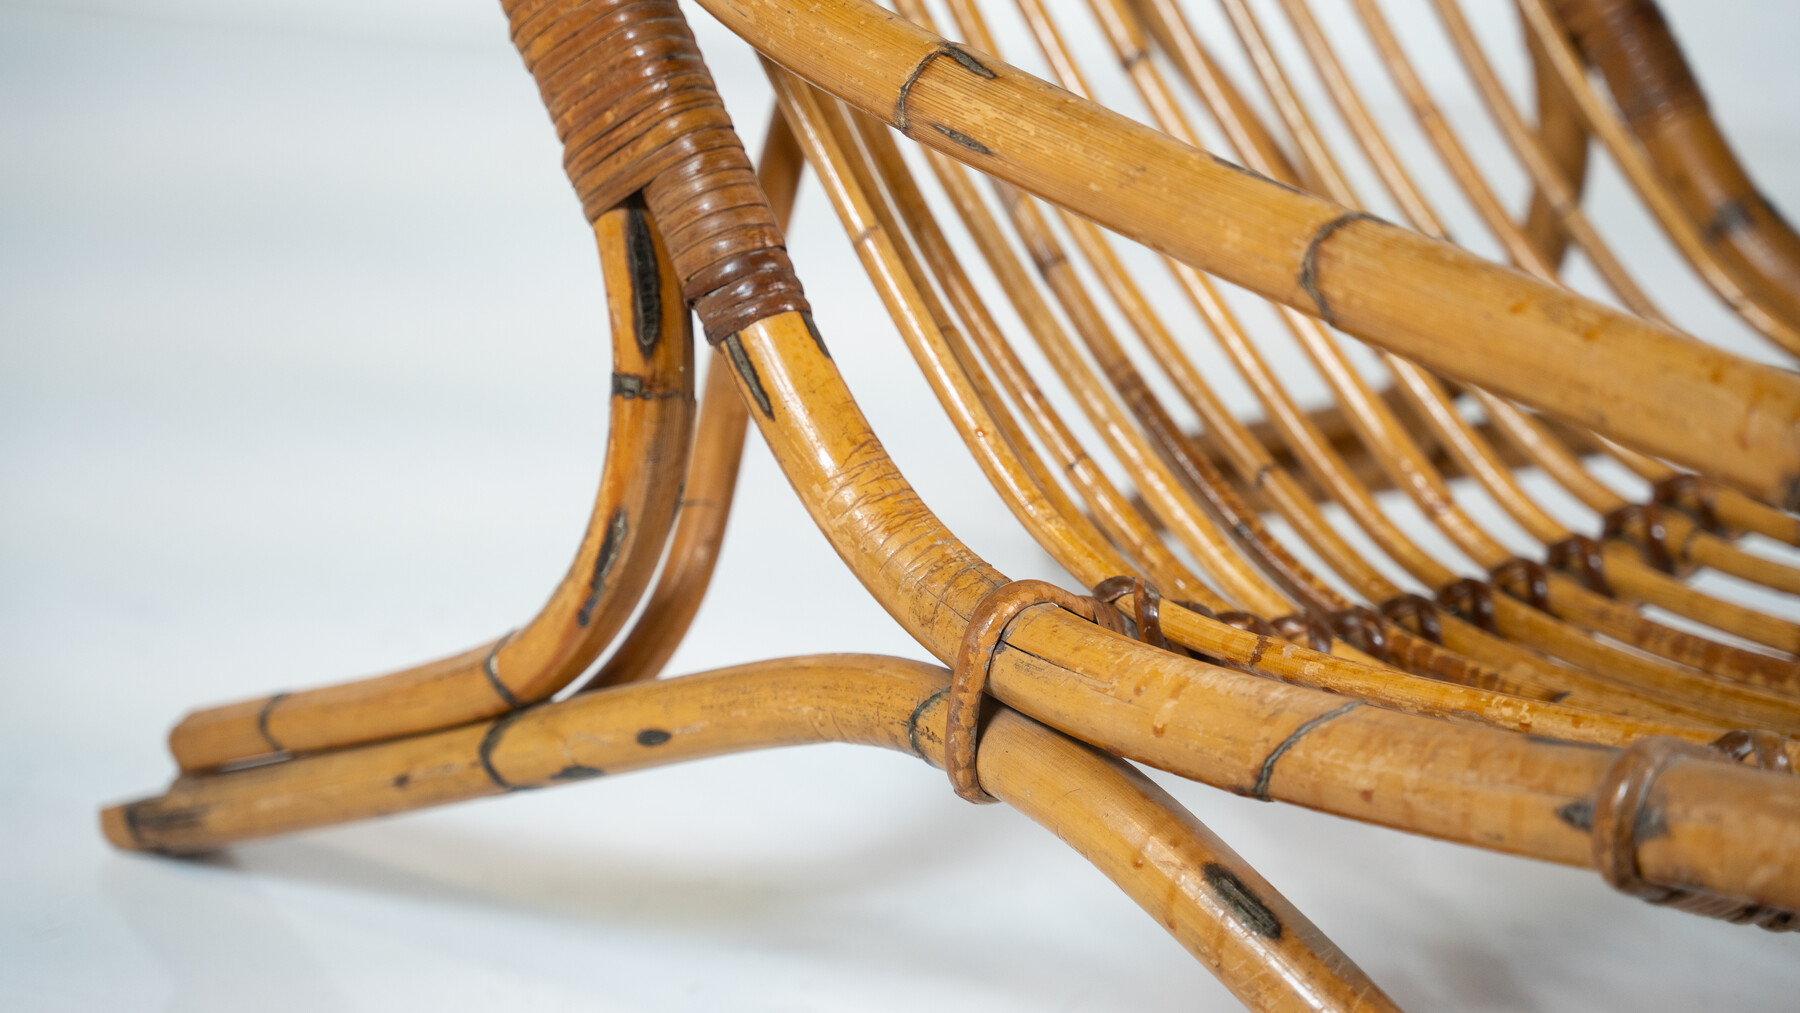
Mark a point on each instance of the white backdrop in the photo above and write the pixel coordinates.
(303, 354)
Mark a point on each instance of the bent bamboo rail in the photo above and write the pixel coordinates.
(1214, 904)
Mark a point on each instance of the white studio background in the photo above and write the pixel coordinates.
(303, 354)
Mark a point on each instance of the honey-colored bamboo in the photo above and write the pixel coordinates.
(1465, 733)
(1362, 506)
(1393, 288)
(1214, 904)
(652, 410)
(711, 481)
(1626, 572)
(1706, 204)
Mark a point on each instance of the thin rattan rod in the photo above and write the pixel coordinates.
(1432, 302)
(1121, 521)
(1410, 467)
(1626, 570)
(991, 437)
(1740, 704)
(1555, 160)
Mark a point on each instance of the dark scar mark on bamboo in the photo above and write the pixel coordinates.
(813, 329)
(576, 772)
(401, 780)
(653, 737)
(1579, 815)
(486, 750)
(963, 139)
(604, 561)
(262, 721)
(912, 721)
(630, 386)
(960, 55)
(1256, 653)
(132, 827)
(747, 370)
(1261, 789)
(646, 280)
(1729, 216)
(157, 820)
(1309, 262)
(1243, 901)
(490, 667)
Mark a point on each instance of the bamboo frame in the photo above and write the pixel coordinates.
(1409, 719)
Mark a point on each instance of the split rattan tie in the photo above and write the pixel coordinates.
(1531, 702)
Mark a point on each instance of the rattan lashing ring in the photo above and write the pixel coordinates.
(968, 678)
(1623, 811)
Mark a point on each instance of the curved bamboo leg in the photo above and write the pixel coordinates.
(694, 548)
(711, 481)
(652, 411)
(1772, 311)
(1190, 718)
(1214, 904)
(1630, 43)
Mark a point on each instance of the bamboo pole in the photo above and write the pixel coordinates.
(1385, 285)
(1215, 905)
(1654, 89)
(1583, 607)
(651, 420)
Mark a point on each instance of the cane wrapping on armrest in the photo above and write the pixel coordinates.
(636, 109)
